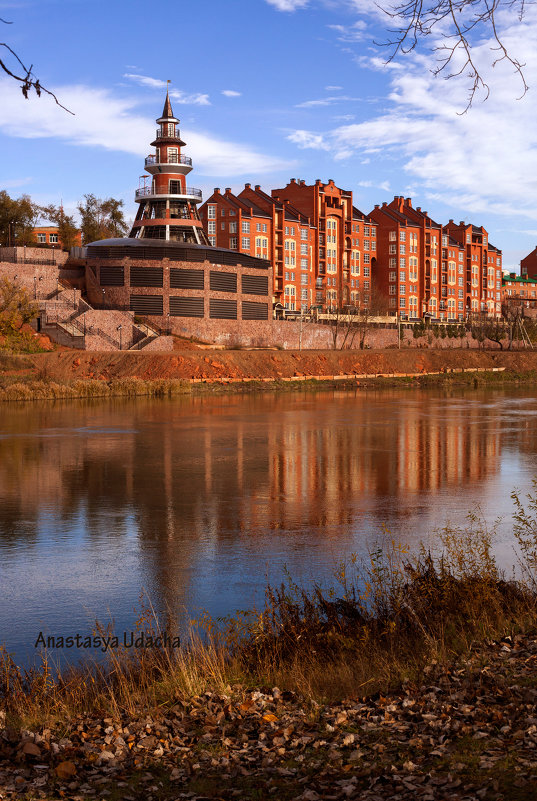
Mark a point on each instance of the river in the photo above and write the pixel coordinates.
(199, 502)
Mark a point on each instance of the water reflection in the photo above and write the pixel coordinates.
(199, 500)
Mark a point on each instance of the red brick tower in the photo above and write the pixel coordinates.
(168, 207)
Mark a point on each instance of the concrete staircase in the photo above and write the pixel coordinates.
(69, 320)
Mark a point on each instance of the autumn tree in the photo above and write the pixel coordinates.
(17, 220)
(67, 229)
(16, 308)
(101, 219)
(456, 27)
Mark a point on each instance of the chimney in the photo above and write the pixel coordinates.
(228, 190)
(418, 208)
(462, 223)
(247, 186)
(409, 201)
(376, 205)
(217, 190)
(384, 204)
(451, 222)
(302, 182)
(293, 181)
(318, 182)
(257, 187)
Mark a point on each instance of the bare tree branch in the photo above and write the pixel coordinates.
(454, 20)
(27, 80)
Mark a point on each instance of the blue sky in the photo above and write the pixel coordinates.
(267, 90)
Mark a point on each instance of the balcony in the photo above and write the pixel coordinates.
(148, 191)
(168, 131)
(173, 158)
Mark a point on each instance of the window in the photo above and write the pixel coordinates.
(304, 294)
(444, 241)
(304, 249)
(304, 278)
(392, 290)
(223, 213)
(402, 236)
(211, 212)
(393, 248)
(402, 289)
(393, 262)
(212, 241)
(264, 229)
(402, 303)
(392, 276)
(258, 226)
(366, 229)
(42, 238)
(366, 272)
(232, 213)
(53, 237)
(233, 242)
(211, 227)
(223, 226)
(245, 227)
(402, 248)
(402, 275)
(233, 228)
(402, 262)
(304, 264)
(366, 244)
(303, 233)
(246, 243)
(366, 261)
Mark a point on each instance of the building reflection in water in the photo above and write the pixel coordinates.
(195, 487)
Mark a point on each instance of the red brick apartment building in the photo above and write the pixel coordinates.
(323, 248)
(483, 268)
(528, 265)
(519, 291)
(49, 235)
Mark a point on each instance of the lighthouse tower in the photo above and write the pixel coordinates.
(168, 207)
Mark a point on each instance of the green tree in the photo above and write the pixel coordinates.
(16, 308)
(67, 230)
(101, 219)
(17, 220)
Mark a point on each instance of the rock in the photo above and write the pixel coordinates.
(65, 770)
(31, 749)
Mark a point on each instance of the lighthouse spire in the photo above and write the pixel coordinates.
(167, 112)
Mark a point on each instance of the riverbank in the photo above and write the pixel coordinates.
(80, 374)
(465, 730)
(412, 678)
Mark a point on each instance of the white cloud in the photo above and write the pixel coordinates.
(98, 113)
(14, 183)
(231, 93)
(327, 101)
(307, 139)
(145, 80)
(351, 33)
(288, 5)
(482, 161)
(333, 88)
(196, 99)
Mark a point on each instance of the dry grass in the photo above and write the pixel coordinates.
(382, 623)
(44, 389)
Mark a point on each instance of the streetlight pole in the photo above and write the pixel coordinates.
(119, 329)
(103, 297)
